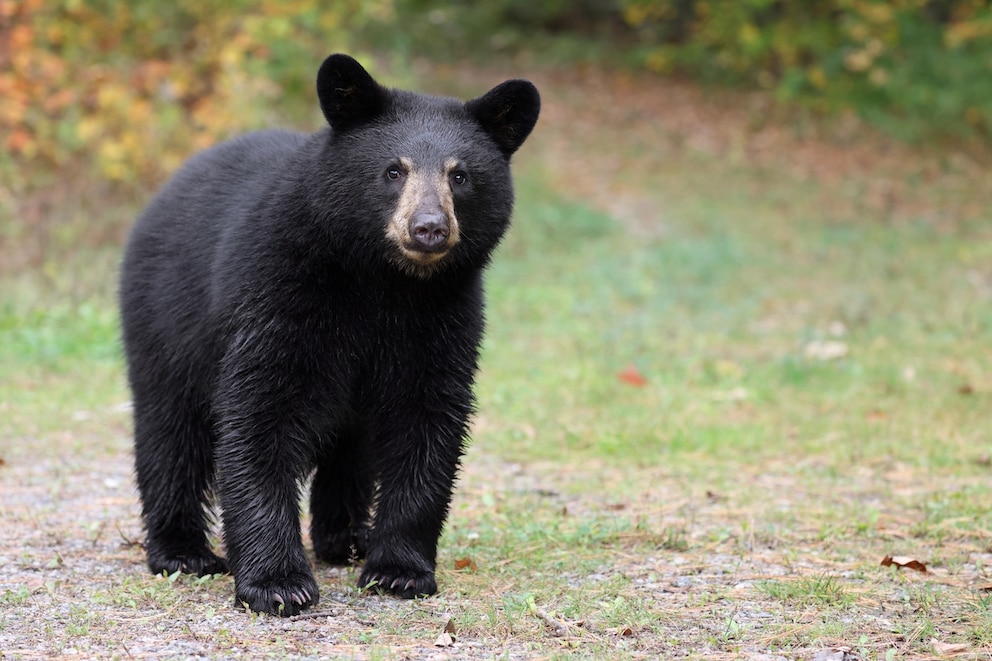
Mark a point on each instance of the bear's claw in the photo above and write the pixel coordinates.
(267, 596)
(405, 583)
(200, 563)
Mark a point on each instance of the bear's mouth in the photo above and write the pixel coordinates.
(418, 263)
(424, 257)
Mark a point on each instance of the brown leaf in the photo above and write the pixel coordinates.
(876, 415)
(465, 563)
(632, 377)
(904, 561)
(449, 628)
(966, 389)
(625, 631)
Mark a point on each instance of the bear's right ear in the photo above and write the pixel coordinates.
(348, 95)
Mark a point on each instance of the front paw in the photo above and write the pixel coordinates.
(201, 563)
(400, 581)
(285, 596)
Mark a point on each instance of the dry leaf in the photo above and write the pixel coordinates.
(876, 415)
(625, 631)
(904, 561)
(465, 563)
(444, 640)
(948, 649)
(447, 636)
(632, 377)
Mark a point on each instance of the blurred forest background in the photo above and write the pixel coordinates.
(101, 100)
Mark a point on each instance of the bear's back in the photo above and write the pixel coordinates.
(168, 267)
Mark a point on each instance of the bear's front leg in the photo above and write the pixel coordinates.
(263, 455)
(419, 455)
(259, 494)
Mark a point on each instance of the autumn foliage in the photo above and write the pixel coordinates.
(131, 89)
(909, 65)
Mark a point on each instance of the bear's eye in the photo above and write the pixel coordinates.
(394, 172)
(458, 177)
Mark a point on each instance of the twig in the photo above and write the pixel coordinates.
(560, 627)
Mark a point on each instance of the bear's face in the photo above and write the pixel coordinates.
(432, 172)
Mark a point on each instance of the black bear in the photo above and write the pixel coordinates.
(312, 304)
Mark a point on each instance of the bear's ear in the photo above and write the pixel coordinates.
(507, 113)
(348, 95)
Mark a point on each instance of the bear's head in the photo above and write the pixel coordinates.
(426, 177)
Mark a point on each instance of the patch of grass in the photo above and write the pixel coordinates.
(819, 590)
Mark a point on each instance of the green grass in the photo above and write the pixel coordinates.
(720, 317)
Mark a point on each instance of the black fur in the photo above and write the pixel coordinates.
(270, 335)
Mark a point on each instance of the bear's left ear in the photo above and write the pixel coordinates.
(507, 113)
(348, 95)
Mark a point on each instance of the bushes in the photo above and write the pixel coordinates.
(914, 66)
(130, 89)
(100, 99)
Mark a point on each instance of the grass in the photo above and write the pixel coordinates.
(811, 393)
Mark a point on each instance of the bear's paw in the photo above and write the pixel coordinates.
(400, 581)
(200, 563)
(284, 596)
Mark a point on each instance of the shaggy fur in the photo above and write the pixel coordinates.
(274, 330)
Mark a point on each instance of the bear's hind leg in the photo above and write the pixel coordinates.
(175, 467)
(340, 498)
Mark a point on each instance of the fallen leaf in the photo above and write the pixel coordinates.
(904, 561)
(625, 631)
(966, 389)
(876, 415)
(449, 628)
(465, 563)
(948, 649)
(444, 640)
(632, 377)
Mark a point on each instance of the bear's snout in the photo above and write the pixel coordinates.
(429, 231)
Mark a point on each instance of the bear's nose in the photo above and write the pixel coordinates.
(429, 231)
